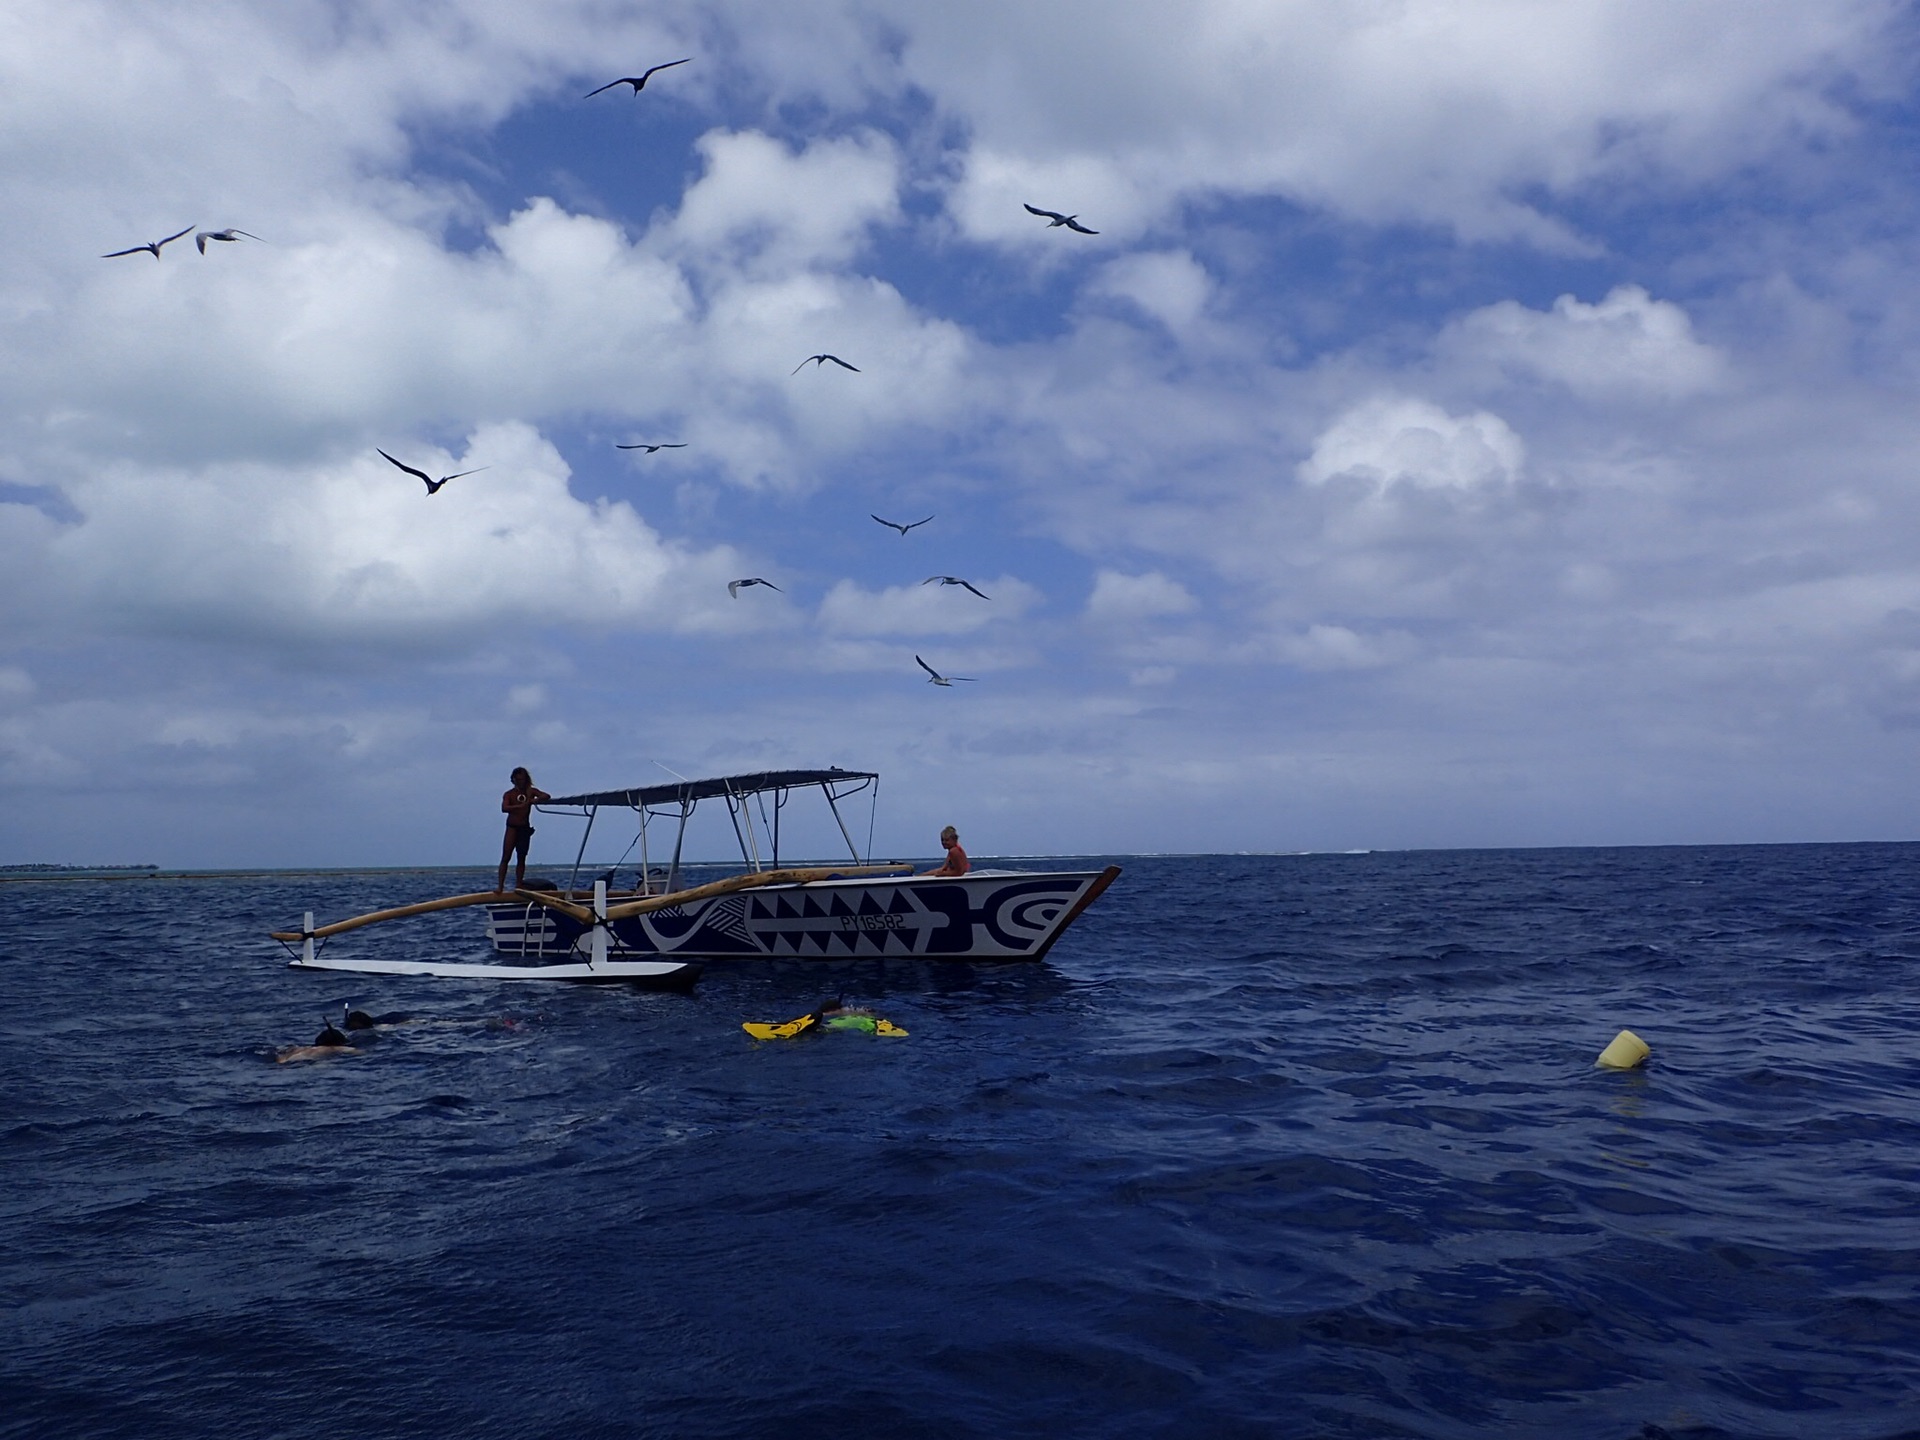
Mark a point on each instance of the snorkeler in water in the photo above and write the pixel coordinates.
(836, 1014)
(329, 1042)
(361, 1020)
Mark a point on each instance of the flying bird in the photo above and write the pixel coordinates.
(819, 359)
(651, 448)
(152, 247)
(228, 234)
(432, 485)
(1056, 219)
(639, 82)
(934, 677)
(955, 580)
(734, 587)
(896, 525)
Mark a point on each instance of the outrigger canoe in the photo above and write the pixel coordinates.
(657, 932)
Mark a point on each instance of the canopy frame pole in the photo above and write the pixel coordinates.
(852, 849)
(739, 809)
(779, 799)
(578, 855)
(673, 871)
(733, 817)
(646, 870)
(306, 939)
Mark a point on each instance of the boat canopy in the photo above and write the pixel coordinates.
(686, 792)
(676, 801)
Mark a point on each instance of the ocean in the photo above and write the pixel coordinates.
(1270, 1146)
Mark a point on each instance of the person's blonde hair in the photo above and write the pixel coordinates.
(949, 831)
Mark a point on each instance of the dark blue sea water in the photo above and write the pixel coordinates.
(1283, 1146)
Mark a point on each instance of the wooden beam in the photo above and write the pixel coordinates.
(398, 912)
(581, 914)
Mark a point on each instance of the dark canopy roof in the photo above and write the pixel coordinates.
(678, 791)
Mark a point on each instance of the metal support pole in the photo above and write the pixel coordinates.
(306, 943)
(739, 811)
(573, 877)
(646, 866)
(673, 870)
(852, 848)
(598, 954)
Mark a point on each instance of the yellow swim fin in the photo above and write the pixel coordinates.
(761, 1030)
(887, 1027)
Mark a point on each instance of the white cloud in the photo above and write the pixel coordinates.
(1118, 598)
(763, 207)
(1427, 111)
(354, 551)
(526, 699)
(850, 609)
(1335, 647)
(1392, 440)
(1628, 345)
(1169, 285)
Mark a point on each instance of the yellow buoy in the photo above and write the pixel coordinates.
(1626, 1051)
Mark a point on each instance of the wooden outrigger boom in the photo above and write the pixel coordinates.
(580, 913)
(398, 912)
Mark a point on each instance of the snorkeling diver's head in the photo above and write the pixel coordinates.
(331, 1036)
(360, 1020)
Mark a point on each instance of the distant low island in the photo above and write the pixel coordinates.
(67, 869)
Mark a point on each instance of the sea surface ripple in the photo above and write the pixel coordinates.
(1271, 1146)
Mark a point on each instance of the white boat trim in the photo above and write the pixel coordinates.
(605, 970)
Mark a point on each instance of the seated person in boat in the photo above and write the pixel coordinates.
(518, 804)
(956, 861)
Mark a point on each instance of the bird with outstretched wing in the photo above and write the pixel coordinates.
(639, 82)
(433, 485)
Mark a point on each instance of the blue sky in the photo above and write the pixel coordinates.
(1475, 424)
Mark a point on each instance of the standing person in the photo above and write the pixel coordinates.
(518, 804)
(956, 861)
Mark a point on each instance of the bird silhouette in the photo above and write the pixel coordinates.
(639, 82)
(152, 247)
(228, 234)
(651, 448)
(934, 677)
(820, 359)
(433, 485)
(896, 525)
(1056, 219)
(734, 587)
(955, 580)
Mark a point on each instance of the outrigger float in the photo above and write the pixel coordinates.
(656, 932)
